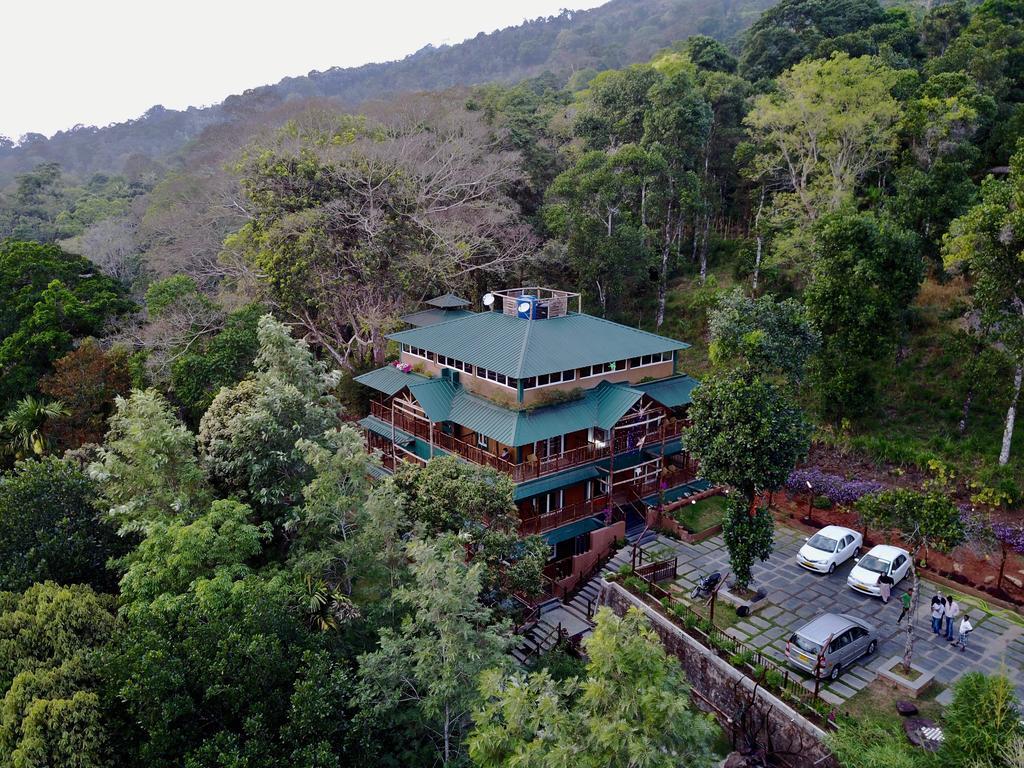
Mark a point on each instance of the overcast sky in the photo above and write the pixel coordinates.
(66, 62)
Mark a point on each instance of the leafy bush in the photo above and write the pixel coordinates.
(636, 584)
(822, 502)
(741, 658)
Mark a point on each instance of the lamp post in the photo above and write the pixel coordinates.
(810, 500)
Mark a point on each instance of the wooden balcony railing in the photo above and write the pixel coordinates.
(562, 516)
(527, 470)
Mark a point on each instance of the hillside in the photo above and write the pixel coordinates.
(613, 35)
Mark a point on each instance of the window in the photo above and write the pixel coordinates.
(655, 359)
(598, 436)
(602, 368)
(481, 441)
(546, 379)
(451, 362)
(497, 378)
(417, 352)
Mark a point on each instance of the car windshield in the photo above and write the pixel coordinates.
(824, 543)
(872, 563)
(805, 645)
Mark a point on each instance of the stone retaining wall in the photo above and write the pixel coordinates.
(746, 711)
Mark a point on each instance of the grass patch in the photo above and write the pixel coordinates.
(701, 515)
(877, 704)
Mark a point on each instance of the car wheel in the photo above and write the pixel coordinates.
(837, 670)
(872, 647)
(856, 552)
(831, 567)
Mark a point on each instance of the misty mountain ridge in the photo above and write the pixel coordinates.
(610, 36)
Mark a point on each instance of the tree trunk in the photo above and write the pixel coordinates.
(760, 241)
(1011, 416)
(704, 248)
(663, 283)
(908, 645)
(961, 427)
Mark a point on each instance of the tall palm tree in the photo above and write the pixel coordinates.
(22, 427)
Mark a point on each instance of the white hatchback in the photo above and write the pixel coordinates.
(829, 548)
(882, 559)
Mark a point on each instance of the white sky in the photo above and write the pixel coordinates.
(64, 62)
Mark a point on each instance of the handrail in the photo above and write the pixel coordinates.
(563, 515)
(527, 470)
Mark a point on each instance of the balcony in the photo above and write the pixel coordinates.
(559, 517)
(623, 442)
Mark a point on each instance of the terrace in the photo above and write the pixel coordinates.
(626, 437)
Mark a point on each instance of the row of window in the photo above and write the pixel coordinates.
(546, 379)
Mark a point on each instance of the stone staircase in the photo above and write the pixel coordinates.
(574, 615)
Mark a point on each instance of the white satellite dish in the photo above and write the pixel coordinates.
(525, 306)
(488, 299)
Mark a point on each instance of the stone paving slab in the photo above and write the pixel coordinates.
(796, 595)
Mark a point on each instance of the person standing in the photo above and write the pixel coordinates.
(952, 611)
(965, 629)
(905, 598)
(938, 612)
(885, 584)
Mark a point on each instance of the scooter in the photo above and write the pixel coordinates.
(706, 586)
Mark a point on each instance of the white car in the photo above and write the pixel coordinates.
(829, 548)
(881, 559)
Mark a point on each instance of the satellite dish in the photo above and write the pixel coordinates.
(525, 306)
(488, 299)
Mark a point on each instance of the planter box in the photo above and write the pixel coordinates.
(736, 601)
(912, 688)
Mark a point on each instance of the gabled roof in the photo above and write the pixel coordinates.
(427, 317)
(382, 428)
(441, 400)
(389, 379)
(448, 301)
(523, 348)
(672, 392)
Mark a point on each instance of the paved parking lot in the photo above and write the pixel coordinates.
(796, 595)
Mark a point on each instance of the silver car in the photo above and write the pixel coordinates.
(844, 640)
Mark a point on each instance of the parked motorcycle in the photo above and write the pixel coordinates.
(706, 586)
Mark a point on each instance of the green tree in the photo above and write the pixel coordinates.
(51, 714)
(866, 272)
(629, 710)
(50, 528)
(746, 432)
(789, 31)
(250, 433)
(50, 298)
(749, 536)
(22, 430)
(197, 375)
(446, 640)
(982, 721)
(826, 127)
(450, 497)
(924, 521)
(147, 470)
(988, 242)
(767, 334)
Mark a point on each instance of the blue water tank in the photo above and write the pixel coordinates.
(526, 307)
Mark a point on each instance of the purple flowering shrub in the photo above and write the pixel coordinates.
(1010, 536)
(835, 488)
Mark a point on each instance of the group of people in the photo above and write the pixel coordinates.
(945, 610)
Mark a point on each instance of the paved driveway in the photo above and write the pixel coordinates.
(796, 595)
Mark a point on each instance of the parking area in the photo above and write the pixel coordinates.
(795, 595)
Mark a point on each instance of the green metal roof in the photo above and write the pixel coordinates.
(382, 428)
(427, 317)
(523, 348)
(389, 379)
(672, 392)
(572, 530)
(552, 482)
(448, 301)
(601, 406)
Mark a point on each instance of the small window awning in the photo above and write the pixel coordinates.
(382, 428)
(673, 392)
(572, 530)
(553, 482)
(389, 380)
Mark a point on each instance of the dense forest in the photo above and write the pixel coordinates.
(195, 567)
